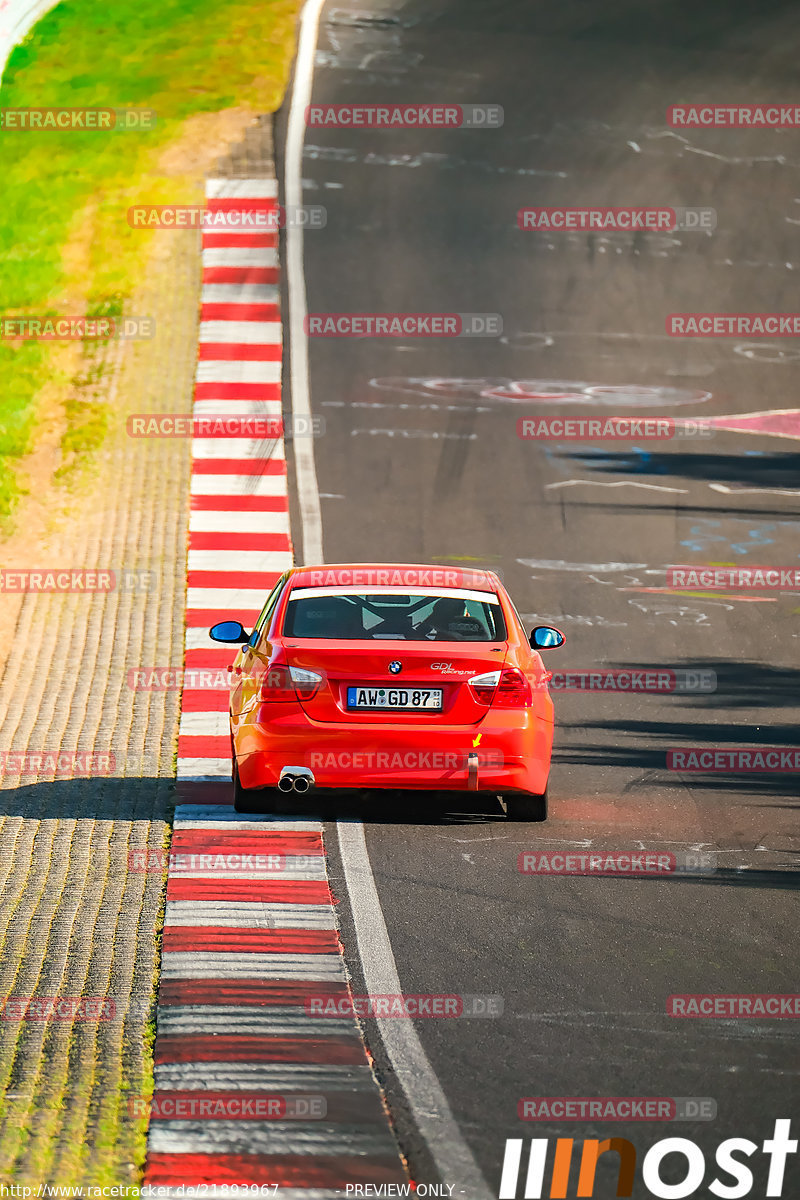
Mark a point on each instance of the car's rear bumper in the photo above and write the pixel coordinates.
(513, 754)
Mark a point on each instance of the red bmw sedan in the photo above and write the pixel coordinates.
(376, 675)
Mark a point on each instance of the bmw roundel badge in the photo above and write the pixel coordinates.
(395, 667)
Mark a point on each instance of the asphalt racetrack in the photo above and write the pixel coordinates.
(420, 461)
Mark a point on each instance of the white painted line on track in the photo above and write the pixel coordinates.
(426, 1099)
(254, 914)
(270, 448)
(260, 561)
(246, 1020)
(220, 521)
(240, 333)
(296, 868)
(239, 293)
(232, 233)
(231, 370)
(237, 408)
(197, 724)
(211, 816)
(242, 485)
(270, 1137)
(223, 599)
(209, 964)
(240, 256)
(305, 465)
(250, 189)
(203, 770)
(247, 824)
(291, 1076)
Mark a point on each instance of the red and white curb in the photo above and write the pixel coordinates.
(250, 932)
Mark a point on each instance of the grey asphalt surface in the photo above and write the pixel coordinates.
(411, 469)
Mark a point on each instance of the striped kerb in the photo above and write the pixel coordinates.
(245, 950)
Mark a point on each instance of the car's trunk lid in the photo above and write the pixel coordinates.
(360, 672)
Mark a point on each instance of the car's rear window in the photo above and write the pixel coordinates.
(436, 616)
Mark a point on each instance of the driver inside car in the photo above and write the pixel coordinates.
(449, 621)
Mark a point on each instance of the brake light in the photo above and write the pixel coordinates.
(513, 690)
(507, 688)
(306, 683)
(289, 683)
(484, 686)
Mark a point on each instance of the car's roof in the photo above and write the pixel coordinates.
(410, 575)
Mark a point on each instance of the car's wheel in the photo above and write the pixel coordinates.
(246, 800)
(526, 806)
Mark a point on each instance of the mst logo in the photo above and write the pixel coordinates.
(688, 1159)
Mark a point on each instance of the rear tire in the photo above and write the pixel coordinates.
(526, 806)
(247, 800)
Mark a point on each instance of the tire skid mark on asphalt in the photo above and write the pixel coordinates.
(662, 1025)
(250, 934)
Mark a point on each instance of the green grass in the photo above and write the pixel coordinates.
(63, 188)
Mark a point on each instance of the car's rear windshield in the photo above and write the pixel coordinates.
(390, 613)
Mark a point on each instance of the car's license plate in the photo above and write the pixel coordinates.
(409, 699)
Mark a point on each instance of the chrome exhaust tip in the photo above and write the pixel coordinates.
(296, 779)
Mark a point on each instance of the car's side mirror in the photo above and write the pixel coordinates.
(230, 632)
(545, 637)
